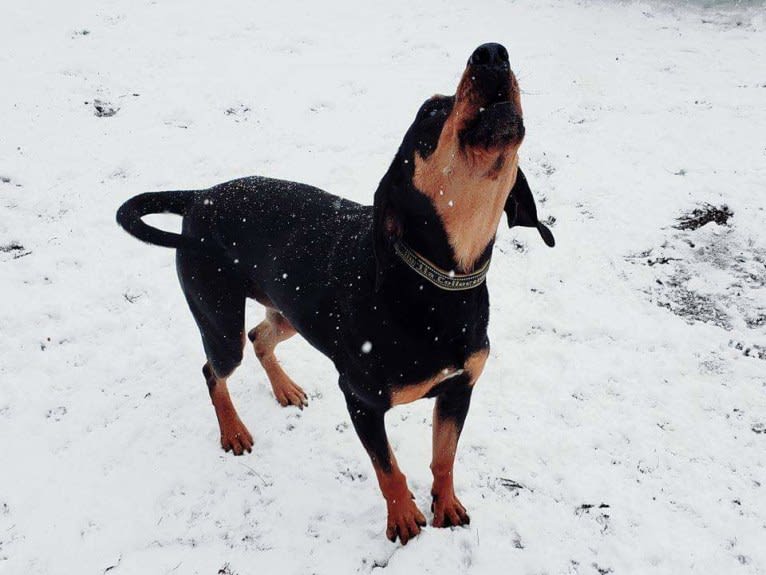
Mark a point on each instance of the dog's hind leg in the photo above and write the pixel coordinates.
(217, 302)
(234, 435)
(265, 337)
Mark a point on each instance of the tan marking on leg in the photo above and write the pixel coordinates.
(446, 506)
(404, 518)
(265, 337)
(234, 435)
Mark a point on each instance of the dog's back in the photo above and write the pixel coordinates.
(290, 246)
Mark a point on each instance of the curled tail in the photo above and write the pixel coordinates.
(130, 213)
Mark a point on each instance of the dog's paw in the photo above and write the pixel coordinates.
(404, 520)
(236, 438)
(448, 511)
(289, 393)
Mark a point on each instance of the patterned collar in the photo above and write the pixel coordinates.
(446, 280)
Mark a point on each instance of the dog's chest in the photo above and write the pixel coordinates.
(443, 379)
(418, 390)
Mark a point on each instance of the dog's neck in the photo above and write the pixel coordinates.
(439, 277)
(425, 234)
(469, 196)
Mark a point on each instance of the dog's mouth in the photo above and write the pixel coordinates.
(487, 101)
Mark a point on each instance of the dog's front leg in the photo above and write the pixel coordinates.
(404, 517)
(449, 415)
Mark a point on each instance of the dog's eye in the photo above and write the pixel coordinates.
(426, 111)
(432, 106)
(434, 111)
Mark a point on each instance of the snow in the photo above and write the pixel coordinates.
(619, 424)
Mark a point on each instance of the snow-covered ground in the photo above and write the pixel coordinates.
(620, 425)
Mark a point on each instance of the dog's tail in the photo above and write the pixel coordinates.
(130, 213)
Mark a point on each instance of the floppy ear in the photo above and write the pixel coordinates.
(386, 225)
(521, 210)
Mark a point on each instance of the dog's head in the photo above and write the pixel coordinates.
(460, 159)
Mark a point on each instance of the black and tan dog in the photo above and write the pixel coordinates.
(394, 293)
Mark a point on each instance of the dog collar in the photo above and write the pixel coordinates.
(449, 281)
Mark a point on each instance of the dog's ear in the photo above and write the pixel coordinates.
(521, 210)
(386, 224)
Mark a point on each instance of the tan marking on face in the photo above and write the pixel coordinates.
(468, 187)
(468, 196)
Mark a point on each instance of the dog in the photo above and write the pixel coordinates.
(394, 293)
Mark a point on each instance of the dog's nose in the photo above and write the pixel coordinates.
(490, 54)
